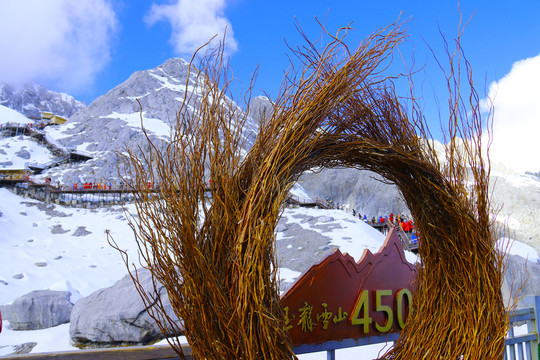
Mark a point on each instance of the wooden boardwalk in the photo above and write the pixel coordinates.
(308, 202)
(103, 194)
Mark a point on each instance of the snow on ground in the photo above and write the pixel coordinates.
(46, 248)
(48, 340)
(353, 237)
(16, 152)
(8, 115)
(156, 126)
(64, 248)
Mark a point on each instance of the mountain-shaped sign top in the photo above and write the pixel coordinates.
(342, 299)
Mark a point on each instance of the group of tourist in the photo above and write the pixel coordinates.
(89, 185)
(406, 224)
(103, 186)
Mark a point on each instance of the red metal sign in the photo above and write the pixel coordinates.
(341, 299)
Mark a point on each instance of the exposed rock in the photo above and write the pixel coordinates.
(25, 348)
(305, 242)
(117, 315)
(24, 154)
(18, 276)
(50, 209)
(113, 121)
(41, 264)
(517, 200)
(260, 109)
(81, 231)
(57, 229)
(38, 309)
(362, 190)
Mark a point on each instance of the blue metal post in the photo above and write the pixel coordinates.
(331, 355)
(533, 326)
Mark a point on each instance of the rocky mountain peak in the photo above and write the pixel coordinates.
(114, 121)
(260, 108)
(177, 68)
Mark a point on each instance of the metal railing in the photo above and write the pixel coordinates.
(522, 347)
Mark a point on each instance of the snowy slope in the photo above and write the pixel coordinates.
(16, 152)
(8, 115)
(51, 245)
(62, 248)
(47, 247)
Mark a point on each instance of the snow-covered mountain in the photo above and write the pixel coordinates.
(515, 198)
(31, 99)
(63, 248)
(113, 121)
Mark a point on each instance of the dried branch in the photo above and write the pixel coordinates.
(208, 235)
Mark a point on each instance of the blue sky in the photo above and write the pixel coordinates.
(499, 34)
(87, 47)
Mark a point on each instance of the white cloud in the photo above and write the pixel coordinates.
(193, 23)
(516, 123)
(60, 41)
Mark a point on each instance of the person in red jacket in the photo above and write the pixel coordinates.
(405, 226)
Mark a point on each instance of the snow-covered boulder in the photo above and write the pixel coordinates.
(117, 315)
(38, 309)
